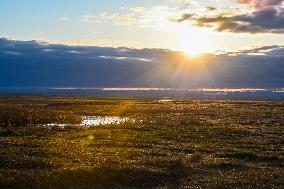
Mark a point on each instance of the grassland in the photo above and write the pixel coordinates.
(179, 144)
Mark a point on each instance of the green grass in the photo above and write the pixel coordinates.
(181, 144)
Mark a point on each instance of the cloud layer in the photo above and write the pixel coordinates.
(39, 64)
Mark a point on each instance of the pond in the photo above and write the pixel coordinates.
(90, 121)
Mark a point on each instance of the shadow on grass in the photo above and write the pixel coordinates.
(104, 177)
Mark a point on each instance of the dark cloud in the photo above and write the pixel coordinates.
(185, 17)
(267, 17)
(38, 64)
(267, 20)
(211, 8)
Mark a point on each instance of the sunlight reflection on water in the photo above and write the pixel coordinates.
(90, 121)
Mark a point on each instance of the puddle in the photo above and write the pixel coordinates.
(91, 121)
(165, 100)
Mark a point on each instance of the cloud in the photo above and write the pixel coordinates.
(118, 19)
(64, 19)
(88, 18)
(211, 8)
(133, 17)
(125, 58)
(185, 17)
(12, 53)
(264, 16)
(185, 4)
(154, 17)
(264, 51)
(41, 64)
(266, 20)
(260, 4)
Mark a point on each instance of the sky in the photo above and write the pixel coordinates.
(191, 26)
(186, 44)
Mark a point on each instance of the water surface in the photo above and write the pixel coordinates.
(91, 121)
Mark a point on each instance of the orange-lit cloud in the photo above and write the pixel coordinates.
(260, 4)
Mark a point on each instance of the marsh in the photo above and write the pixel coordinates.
(174, 144)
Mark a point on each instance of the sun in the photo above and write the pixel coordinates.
(193, 51)
(194, 41)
